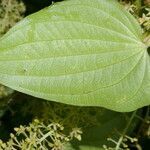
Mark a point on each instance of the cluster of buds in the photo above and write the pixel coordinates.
(40, 136)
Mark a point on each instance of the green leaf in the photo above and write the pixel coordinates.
(80, 52)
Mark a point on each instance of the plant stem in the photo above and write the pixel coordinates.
(45, 136)
(125, 131)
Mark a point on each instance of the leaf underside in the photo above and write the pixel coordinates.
(79, 52)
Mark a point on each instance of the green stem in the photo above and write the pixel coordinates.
(125, 131)
(45, 136)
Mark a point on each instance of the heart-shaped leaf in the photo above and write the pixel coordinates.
(79, 52)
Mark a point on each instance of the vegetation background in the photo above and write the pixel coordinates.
(65, 121)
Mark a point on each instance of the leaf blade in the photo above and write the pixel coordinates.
(62, 54)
